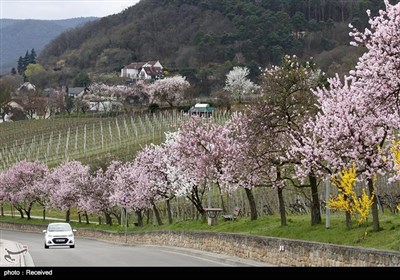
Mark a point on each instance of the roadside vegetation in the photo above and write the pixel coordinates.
(298, 227)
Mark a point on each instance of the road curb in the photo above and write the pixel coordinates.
(26, 259)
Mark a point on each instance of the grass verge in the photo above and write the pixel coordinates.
(299, 227)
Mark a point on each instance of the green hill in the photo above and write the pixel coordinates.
(205, 38)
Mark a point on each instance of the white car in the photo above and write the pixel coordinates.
(59, 234)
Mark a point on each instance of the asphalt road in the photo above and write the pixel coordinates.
(97, 253)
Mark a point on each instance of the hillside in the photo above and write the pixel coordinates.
(203, 39)
(18, 36)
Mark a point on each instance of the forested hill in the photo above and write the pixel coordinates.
(196, 35)
(18, 36)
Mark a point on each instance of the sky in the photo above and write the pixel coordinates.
(61, 9)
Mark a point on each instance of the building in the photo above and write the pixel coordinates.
(202, 109)
(143, 70)
(76, 91)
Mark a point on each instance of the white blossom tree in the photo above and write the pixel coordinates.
(238, 84)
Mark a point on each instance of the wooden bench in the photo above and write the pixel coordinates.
(233, 216)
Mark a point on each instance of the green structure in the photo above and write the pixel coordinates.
(202, 109)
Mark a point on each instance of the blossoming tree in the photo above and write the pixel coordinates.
(65, 183)
(238, 84)
(358, 116)
(20, 186)
(171, 90)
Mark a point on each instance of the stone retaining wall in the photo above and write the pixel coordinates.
(279, 251)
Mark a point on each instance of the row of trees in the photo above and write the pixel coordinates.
(171, 91)
(292, 135)
(202, 154)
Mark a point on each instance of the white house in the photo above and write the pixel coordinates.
(76, 91)
(143, 70)
(104, 105)
(27, 87)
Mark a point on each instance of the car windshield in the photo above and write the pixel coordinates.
(59, 227)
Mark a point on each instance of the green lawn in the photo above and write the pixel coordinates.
(298, 228)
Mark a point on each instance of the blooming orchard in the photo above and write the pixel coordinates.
(351, 123)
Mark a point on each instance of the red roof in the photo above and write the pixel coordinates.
(152, 70)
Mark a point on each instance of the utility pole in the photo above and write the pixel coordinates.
(126, 224)
(327, 210)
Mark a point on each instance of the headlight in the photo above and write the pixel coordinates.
(50, 235)
(70, 235)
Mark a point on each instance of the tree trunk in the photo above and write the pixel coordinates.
(28, 214)
(79, 217)
(67, 216)
(44, 213)
(348, 220)
(282, 210)
(99, 219)
(2, 210)
(118, 217)
(252, 203)
(169, 214)
(157, 214)
(281, 201)
(21, 213)
(374, 206)
(108, 219)
(148, 212)
(28, 211)
(139, 218)
(87, 218)
(315, 206)
(196, 200)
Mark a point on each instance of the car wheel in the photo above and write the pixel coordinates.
(45, 246)
(71, 246)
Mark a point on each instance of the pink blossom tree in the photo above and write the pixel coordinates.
(20, 185)
(97, 197)
(358, 117)
(2, 193)
(155, 164)
(374, 86)
(285, 104)
(377, 75)
(201, 146)
(348, 131)
(189, 172)
(130, 192)
(138, 96)
(239, 165)
(66, 183)
(171, 90)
